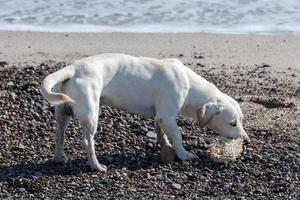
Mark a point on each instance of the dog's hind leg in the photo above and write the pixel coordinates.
(87, 111)
(62, 119)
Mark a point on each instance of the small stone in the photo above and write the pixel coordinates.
(150, 144)
(274, 160)
(170, 173)
(144, 129)
(20, 147)
(22, 190)
(198, 57)
(10, 83)
(13, 95)
(193, 143)
(3, 93)
(261, 76)
(176, 186)
(3, 63)
(200, 65)
(265, 65)
(31, 83)
(256, 157)
(137, 148)
(121, 143)
(34, 177)
(150, 177)
(118, 174)
(151, 134)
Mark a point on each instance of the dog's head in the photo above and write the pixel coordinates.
(223, 116)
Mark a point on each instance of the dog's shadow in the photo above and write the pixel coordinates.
(44, 168)
(123, 161)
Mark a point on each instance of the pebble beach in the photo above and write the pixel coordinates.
(261, 72)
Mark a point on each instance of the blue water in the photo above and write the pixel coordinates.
(219, 16)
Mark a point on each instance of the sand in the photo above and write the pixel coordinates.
(281, 52)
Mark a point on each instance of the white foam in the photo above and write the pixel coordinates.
(154, 29)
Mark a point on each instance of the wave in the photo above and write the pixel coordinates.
(217, 16)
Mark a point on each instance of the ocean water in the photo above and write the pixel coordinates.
(218, 16)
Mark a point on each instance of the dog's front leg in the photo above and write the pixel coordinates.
(167, 153)
(162, 138)
(171, 129)
(62, 123)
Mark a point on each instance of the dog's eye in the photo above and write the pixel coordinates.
(233, 123)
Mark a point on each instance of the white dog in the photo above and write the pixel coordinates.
(159, 89)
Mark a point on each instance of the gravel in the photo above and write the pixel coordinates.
(267, 169)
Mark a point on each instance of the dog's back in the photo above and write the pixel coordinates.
(136, 84)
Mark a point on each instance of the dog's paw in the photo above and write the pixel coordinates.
(185, 155)
(60, 159)
(99, 167)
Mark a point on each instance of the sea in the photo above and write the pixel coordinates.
(214, 16)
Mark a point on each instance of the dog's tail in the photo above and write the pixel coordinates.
(51, 80)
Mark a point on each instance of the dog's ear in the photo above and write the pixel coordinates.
(206, 112)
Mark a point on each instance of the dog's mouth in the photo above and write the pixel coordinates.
(244, 137)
